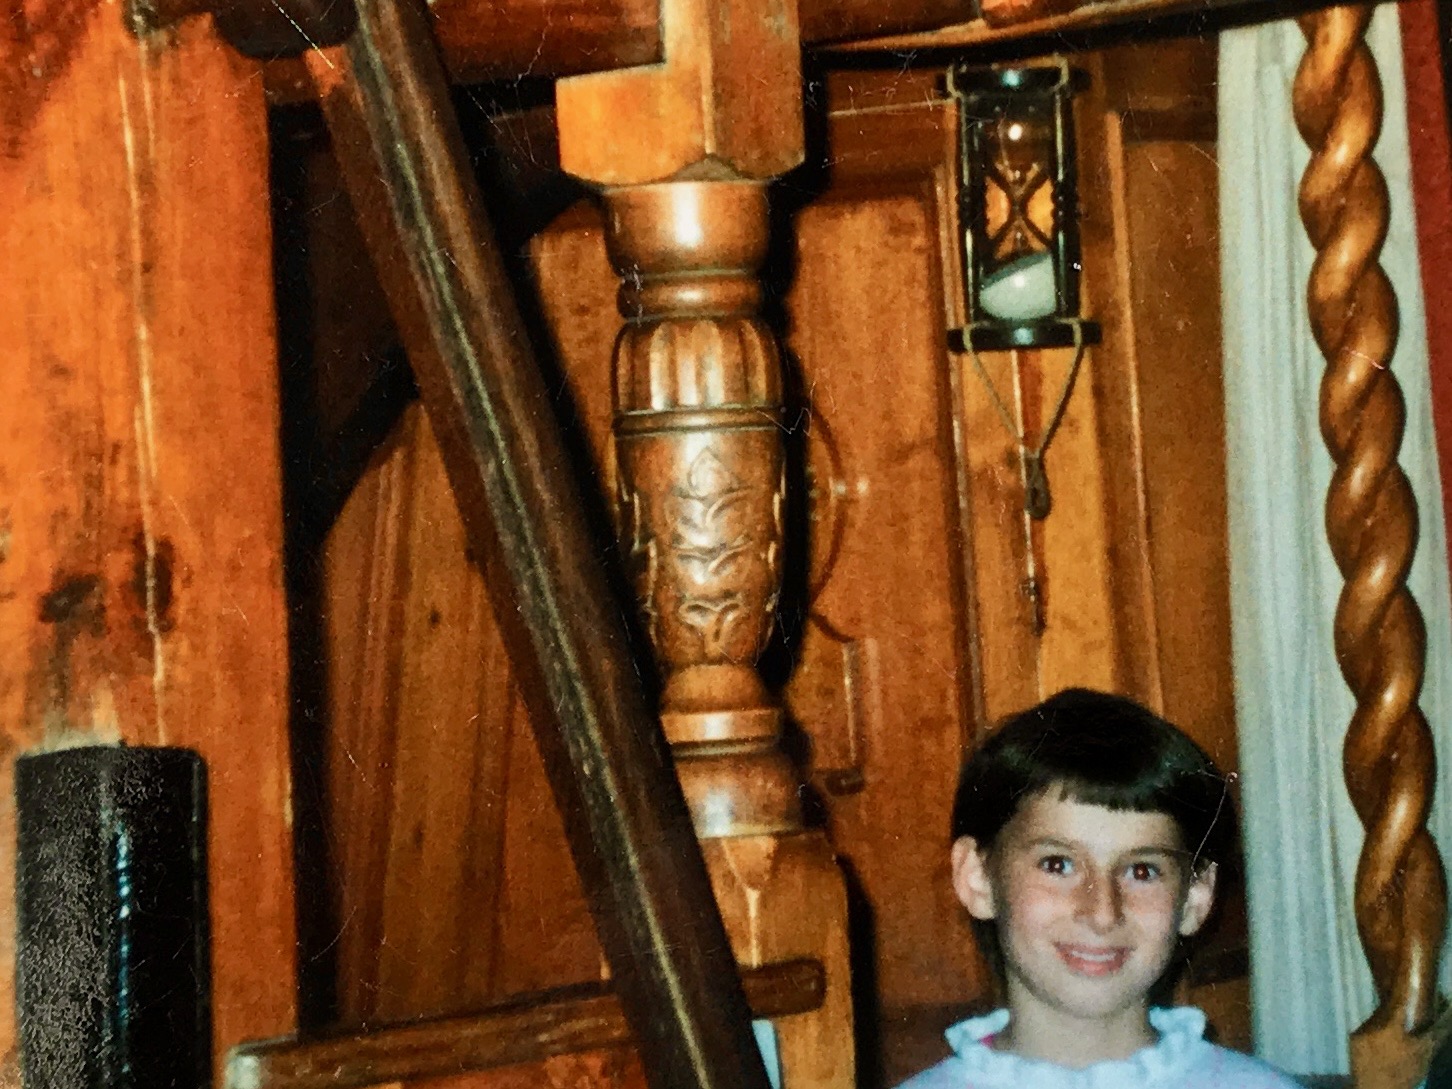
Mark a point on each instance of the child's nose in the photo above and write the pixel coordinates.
(1101, 903)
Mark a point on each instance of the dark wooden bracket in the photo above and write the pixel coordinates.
(265, 29)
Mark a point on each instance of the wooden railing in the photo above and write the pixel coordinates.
(528, 1030)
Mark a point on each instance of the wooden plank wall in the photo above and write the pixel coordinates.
(455, 886)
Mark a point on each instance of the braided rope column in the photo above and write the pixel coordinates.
(1371, 520)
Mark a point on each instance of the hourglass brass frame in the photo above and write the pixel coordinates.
(984, 95)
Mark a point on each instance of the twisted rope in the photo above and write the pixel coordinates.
(1371, 517)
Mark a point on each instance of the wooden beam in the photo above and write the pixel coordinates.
(483, 40)
(141, 595)
(494, 39)
(526, 1030)
(403, 160)
(1089, 26)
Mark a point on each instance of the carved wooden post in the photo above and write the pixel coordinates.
(684, 151)
(698, 439)
(1371, 521)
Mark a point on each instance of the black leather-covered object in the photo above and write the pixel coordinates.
(111, 909)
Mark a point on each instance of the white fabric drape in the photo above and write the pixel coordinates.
(1310, 983)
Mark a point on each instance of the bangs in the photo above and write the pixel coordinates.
(1135, 796)
(1097, 750)
(1101, 750)
(1100, 766)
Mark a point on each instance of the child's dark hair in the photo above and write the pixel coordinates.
(1102, 750)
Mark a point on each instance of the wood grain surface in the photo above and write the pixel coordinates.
(141, 594)
(529, 1030)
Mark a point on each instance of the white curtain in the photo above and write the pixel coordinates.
(1310, 983)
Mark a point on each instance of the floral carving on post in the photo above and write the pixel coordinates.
(714, 543)
(702, 508)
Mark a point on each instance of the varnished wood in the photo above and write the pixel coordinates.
(528, 1030)
(141, 591)
(1170, 204)
(1056, 28)
(886, 684)
(504, 39)
(1008, 13)
(433, 779)
(921, 488)
(485, 40)
(1154, 280)
(683, 152)
(1371, 522)
(403, 157)
(1164, 434)
(887, 679)
(1044, 591)
(608, 1068)
(762, 882)
(696, 114)
(265, 29)
(701, 482)
(420, 774)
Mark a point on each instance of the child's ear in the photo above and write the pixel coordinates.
(971, 880)
(1199, 898)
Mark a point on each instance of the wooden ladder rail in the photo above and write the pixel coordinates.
(525, 1030)
(1371, 522)
(386, 100)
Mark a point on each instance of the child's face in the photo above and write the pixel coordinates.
(1089, 904)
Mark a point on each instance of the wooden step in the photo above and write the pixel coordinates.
(529, 1029)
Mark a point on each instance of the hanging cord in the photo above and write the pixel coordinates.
(1037, 499)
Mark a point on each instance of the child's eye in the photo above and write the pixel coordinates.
(1144, 871)
(1056, 864)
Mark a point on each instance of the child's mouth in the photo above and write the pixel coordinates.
(1092, 961)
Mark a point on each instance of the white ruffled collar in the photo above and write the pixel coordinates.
(1181, 1042)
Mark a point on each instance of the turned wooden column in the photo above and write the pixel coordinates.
(1371, 522)
(683, 152)
(700, 456)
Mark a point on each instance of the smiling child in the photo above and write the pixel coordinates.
(1087, 837)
